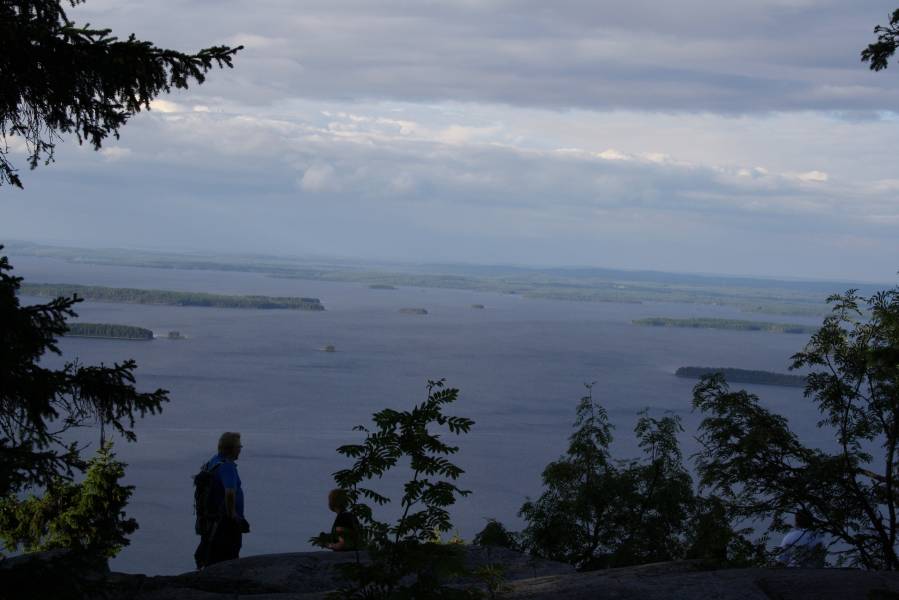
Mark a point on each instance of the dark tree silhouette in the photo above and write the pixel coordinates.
(878, 53)
(758, 466)
(58, 77)
(39, 404)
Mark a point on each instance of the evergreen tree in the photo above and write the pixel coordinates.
(569, 521)
(87, 517)
(598, 512)
(658, 500)
(40, 405)
(58, 77)
(878, 53)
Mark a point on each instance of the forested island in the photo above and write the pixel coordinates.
(169, 297)
(731, 324)
(744, 376)
(108, 331)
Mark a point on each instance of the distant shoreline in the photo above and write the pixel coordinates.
(732, 375)
(729, 324)
(747, 294)
(169, 297)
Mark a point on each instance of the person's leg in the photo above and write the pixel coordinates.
(201, 554)
(225, 543)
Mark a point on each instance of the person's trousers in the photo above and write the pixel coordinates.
(221, 542)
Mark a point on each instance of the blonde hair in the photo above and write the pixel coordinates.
(338, 499)
(229, 442)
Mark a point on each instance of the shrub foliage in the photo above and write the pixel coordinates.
(406, 562)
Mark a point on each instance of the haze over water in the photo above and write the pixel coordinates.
(520, 364)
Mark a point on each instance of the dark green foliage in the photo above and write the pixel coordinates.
(731, 324)
(493, 577)
(108, 330)
(62, 78)
(570, 521)
(657, 498)
(760, 468)
(596, 512)
(744, 376)
(40, 406)
(495, 535)
(712, 538)
(168, 297)
(86, 517)
(879, 53)
(405, 561)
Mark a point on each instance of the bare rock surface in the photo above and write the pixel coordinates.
(298, 575)
(310, 575)
(687, 580)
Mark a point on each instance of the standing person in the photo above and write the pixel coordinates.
(802, 546)
(345, 531)
(222, 528)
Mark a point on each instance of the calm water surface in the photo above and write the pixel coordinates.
(520, 364)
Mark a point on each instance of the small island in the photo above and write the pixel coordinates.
(108, 331)
(413, 311)
(169, 297)
(479, 306)
(381, 286)
(744, 376)
(730, 324)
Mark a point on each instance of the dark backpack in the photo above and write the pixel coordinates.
(207, 512)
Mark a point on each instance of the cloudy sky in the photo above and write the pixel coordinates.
(740, 137)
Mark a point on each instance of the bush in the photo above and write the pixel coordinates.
(86, 517)
(406, 562)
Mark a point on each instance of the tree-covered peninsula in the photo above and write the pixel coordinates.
(108, 330)
(744, 376)
(732, 324)
(169, 297)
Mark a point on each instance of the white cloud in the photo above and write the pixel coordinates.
(166, 106)
(612, 154)
(252, 41)
(402, 183)
(114, 153)
(320, 178)
(462, 134)
(16, 144)
(812, 177)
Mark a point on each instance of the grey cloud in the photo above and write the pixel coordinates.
(690, 55)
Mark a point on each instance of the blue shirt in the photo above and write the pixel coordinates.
(226, 475)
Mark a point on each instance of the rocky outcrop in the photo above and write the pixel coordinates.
(310, 575)
(689, 580)
(298, 575)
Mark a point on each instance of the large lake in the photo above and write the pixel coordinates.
(520, 364)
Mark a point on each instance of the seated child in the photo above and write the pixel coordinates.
(345, 530)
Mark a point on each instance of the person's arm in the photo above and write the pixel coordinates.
(346, 530)
(340, 544)
(231, 503)
(228, 477)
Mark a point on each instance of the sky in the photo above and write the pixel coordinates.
(741, 137)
